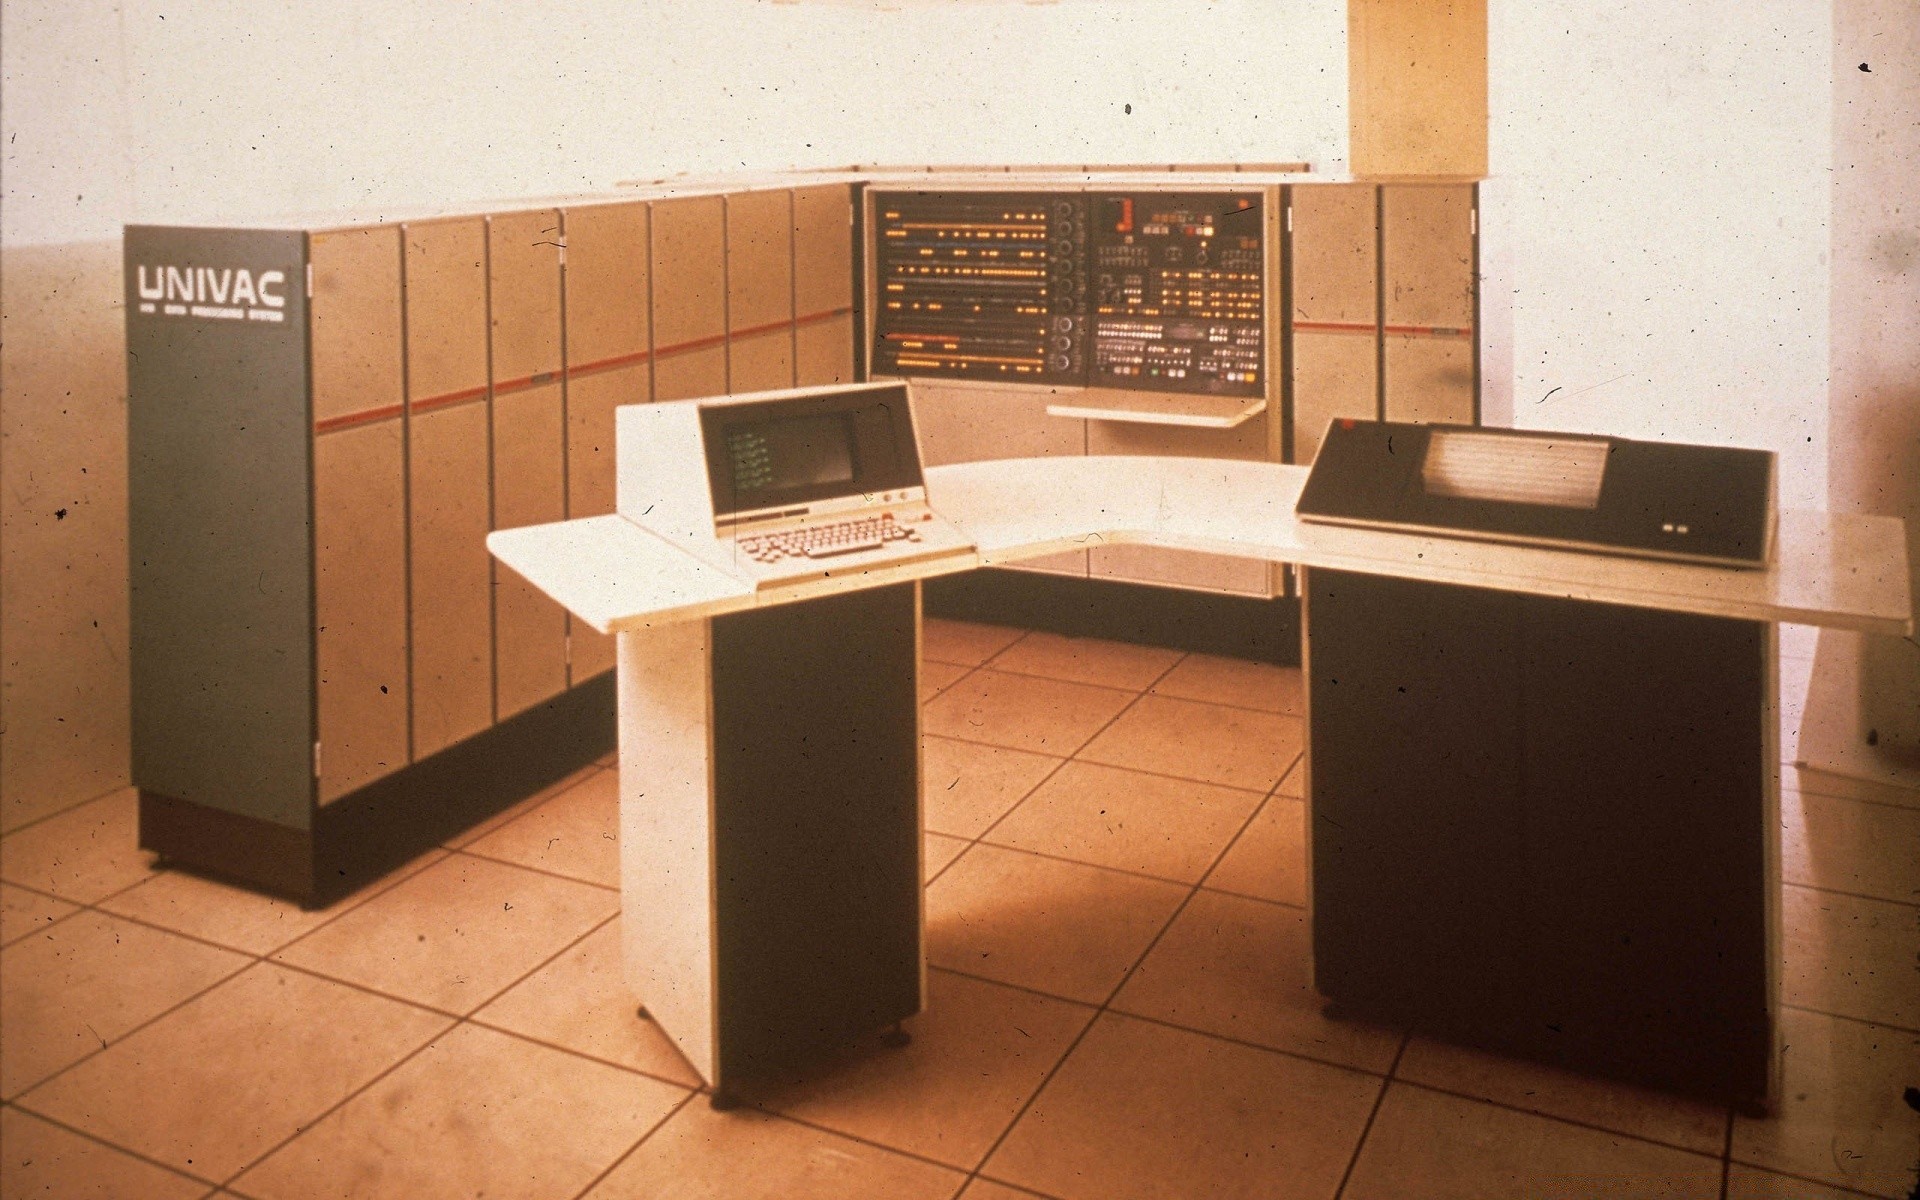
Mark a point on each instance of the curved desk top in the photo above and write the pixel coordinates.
(1840, 571)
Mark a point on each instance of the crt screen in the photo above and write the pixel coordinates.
(795, 452)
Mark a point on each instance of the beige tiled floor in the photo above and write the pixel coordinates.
(1100, 1025)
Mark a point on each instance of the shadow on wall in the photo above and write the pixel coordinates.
(64, 682)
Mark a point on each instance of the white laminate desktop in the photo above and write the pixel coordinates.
(1834, 570)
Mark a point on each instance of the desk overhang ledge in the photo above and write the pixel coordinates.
(1840, 571)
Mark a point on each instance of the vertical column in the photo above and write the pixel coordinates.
(359, 507)
(448, 486)
(1417, 87)
(1336, 325)
(823, 284)
(608, 315)
(1427, 289)
(759, 291)
(529, 446)
(689, 275)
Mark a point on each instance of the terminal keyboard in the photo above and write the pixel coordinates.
(826, 541)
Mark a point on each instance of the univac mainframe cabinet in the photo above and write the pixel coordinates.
(329, 672)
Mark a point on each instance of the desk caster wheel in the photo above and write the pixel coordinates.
(896, 1037)
(722, 1100)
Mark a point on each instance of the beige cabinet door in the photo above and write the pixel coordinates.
(449, 500)
(1336, 317)
(1335, 374)
(359, 507)
(529, 447)
(360, 604)
(759, 291)
(1427, 234)
(823, 335)
(608, 351)
(689, 274)
(451, 575)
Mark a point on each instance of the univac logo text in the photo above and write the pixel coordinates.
(222, 293)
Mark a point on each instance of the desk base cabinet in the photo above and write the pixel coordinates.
(1547, 827)
(770, 828)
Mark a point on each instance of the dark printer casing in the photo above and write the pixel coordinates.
(1704, 504)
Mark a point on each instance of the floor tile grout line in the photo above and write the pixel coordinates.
(640, 1141)
(1886, 1025)
(1100, 1011)
(1726, 1155)
(369, 989)
(1130, 872)
(16, 1097)
(1366, 1128)
(1851, 895)
(354, 900)
(629, 1068)
(183, 935)
(1244, 1043)
(1271, 795)
(1895, 805)
(96, 1139)
(1844, 1189)
(1577, 1123)
(252, 958)
(860, 1138)
(1075, 757)
(547, 871)
(61, 812)
(1022, 1188)
(545, 796)
(1058, 1063)
(1119, 687)
(1827, 891)
(320, 1118)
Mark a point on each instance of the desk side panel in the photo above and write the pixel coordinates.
(666, 831)
(1415, 811)
(1648, 788)
(817, 887)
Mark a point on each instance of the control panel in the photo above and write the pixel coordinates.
(1177, 286)
(980, 285)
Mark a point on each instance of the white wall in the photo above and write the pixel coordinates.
(1657, 223)
(224, 109)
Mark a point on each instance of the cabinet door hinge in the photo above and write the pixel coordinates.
(309, 281)
(316, 760)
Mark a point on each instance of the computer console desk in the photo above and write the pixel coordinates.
(1542, 785)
